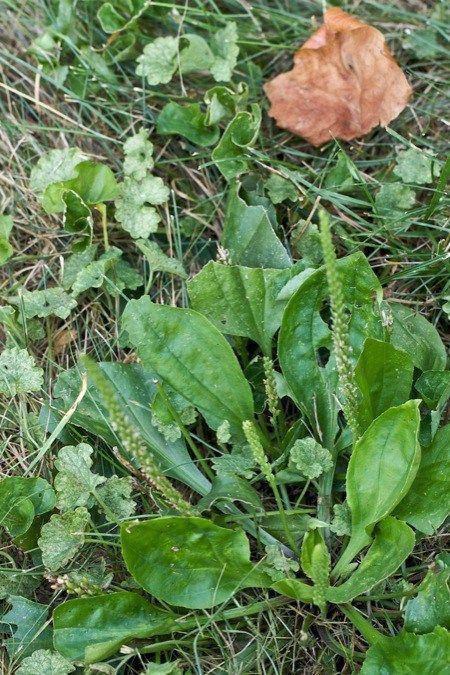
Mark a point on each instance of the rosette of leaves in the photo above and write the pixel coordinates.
(69, 183)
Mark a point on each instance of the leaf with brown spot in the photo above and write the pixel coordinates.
(344, 83)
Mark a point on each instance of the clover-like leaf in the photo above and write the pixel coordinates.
(18, 372)
(48, 302)
(74, 483)
(158, 62)
(310, 458)
(6, 225)
(62, 537)
(132, 207)
(138, 150)
(414, 166)
(45, 662)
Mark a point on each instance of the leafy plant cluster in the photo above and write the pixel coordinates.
(276, 438)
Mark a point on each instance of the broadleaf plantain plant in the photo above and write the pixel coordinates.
(327, 417)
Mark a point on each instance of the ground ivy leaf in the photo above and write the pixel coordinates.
(93, 275)
(225, 49)
(195, 54)
(76, 263)
(138, 150)
(310, 458)
(18, 372)
(55, 166)
(277, 565)
(240, 462)
(116, 495)
(188, 121)
(48, 302)
(6, 225)
(280, 189)
(159, 261)
(342, 520)
(158, 61)
(31, 632)
(392, 202)
(132, 207)
(45, 662)
(121, 276)
(62, 537)
(414, 166)
(431, 606)
(75, 483)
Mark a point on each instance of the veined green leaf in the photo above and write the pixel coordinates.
(189, 354)
(240, 300)
(21, 499)
(248, 235)
(392, 544)
(412, 333)
(136, 389)
(230, 154)
(304, 334)
(31, 630)
(187, 121)
(91, 629)
(295, 589)
(381, 470)
(407, 654)
(384, 377)
(189, 561)
(427, 503)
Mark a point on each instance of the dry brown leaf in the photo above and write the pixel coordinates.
(344, 83)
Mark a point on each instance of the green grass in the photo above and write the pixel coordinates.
(37, 114)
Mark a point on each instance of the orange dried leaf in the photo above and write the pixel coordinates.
(344, 83)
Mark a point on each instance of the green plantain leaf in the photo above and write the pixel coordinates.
(189, 354)
(384, 377)
(392, 544)
(189, 561)
(230, 155)
(408, 654)
(412, 333)
(381, 470)
(304, 334)
(431, 606)
(136, 389)
(249, 237)
(240, 300)
(21, 499)
(427, 503)
(91, 629)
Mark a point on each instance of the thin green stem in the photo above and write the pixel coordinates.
(101, 208)
(369, 633)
